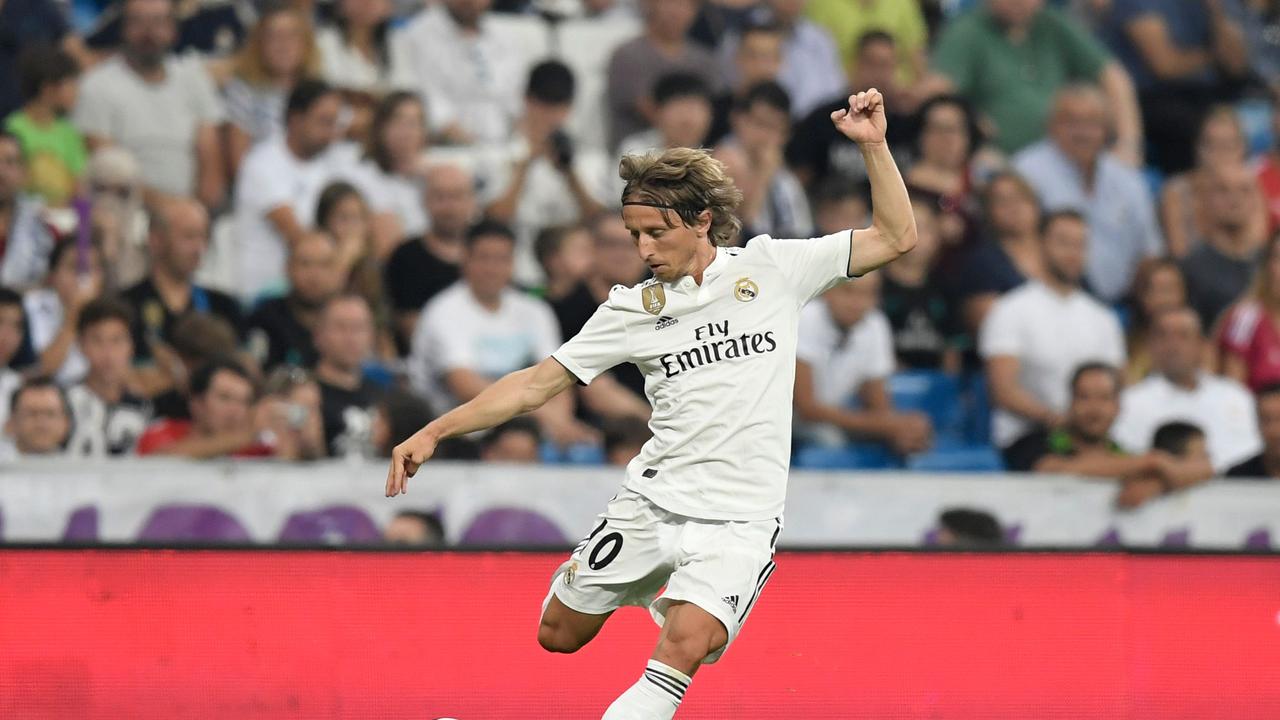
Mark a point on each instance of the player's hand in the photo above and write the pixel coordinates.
(406, 458)
(863, 121)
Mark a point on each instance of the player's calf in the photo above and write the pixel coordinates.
(689, 634)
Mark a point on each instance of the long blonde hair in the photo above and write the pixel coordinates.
(248, 64)
(685, 181)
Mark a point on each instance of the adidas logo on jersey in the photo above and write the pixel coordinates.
(665, 322)
(731, 601)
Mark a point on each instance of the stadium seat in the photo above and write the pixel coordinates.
(528, 36)
(1255, 118)
(336, 525)
(976, 410)
(933, 393)
(512, 526)
(856, 456)
(192, 523)
(963, 458)
(579, 454)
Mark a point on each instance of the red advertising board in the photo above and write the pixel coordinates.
(89, 634)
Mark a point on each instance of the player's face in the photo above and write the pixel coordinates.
(1095, 402)
(667, 251)
(39, 424)
(108, 347)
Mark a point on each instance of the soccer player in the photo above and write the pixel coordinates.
(714, 332)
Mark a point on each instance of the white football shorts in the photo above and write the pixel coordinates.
(636, 548)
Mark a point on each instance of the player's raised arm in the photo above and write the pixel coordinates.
(516, 393)
(893, 227)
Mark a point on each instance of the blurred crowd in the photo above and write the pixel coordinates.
(302, 229)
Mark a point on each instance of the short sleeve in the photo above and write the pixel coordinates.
(812, 266)
(999, 332)
(600, 345)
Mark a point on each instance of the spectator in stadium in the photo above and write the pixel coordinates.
(1037, 335)
(279, 52)
(224, 420)
(756, 58)
(810, 69)
(423, 266)
(481, 328)
(54, 149)
(1179, 389)
(12, 334)
(398, 416)
(197, 338)
(515, 441)
(566, 254)
(1183, 198)
(25, 240)
(411, 528)
(118, 216)
(392, 175)
(773, 200)
(1158, 285)
(1185, 447)
(163, 109)
(682, 117)
(1183, 57)
(28, 23)
(1266, 464)
(901, 20)
(1072, 168)
(355, 49)
(969, 528)
(635, 67)
(1008, 253)
(74, 279)
(1249, 335)
(542, 178)
(178, 240)
(1218, 271)
(623, 440)
(467, 74)
(839, 204)
(295, 429)
(1268, 167)
(344, 337)
(818, 151)
(342, 214)
(942, 171)
(845, 356)
(207, 28)
(280, 328)
(108, 411)
(1010, 57)
(279, 184)
(927, 332)
(39, 419)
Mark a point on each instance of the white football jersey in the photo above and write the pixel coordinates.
(719, 362)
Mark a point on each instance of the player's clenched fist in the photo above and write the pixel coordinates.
(863, 121)
(406, 458)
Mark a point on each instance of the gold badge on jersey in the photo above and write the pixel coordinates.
(654, 298)
(570, 573)
(745, 290)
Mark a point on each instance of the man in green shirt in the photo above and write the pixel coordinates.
(54, 149)
(1009, 57)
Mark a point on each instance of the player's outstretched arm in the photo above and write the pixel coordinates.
(893, 227)
(517, 393)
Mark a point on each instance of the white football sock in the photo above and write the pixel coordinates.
(656, 696)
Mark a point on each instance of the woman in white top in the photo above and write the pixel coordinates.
(281, 50)
(392, 175)
(354, 49)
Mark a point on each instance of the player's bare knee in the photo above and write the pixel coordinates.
(556, 637)
(688, 648)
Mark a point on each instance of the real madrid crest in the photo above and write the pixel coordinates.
(654, 298)
(745, 290)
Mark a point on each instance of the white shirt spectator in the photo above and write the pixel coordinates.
(1051, 336)
(346, 67)
(457, 332)
(396, 194)
(157, 122)
(1123, 229)
(1219, 406)
(472, 81)
(271, 177)
(10, 380)
(100, 429)
(841, 360)
(25, 258)
(44, 318)
(546, 199)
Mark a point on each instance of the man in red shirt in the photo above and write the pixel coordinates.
(224, 420)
